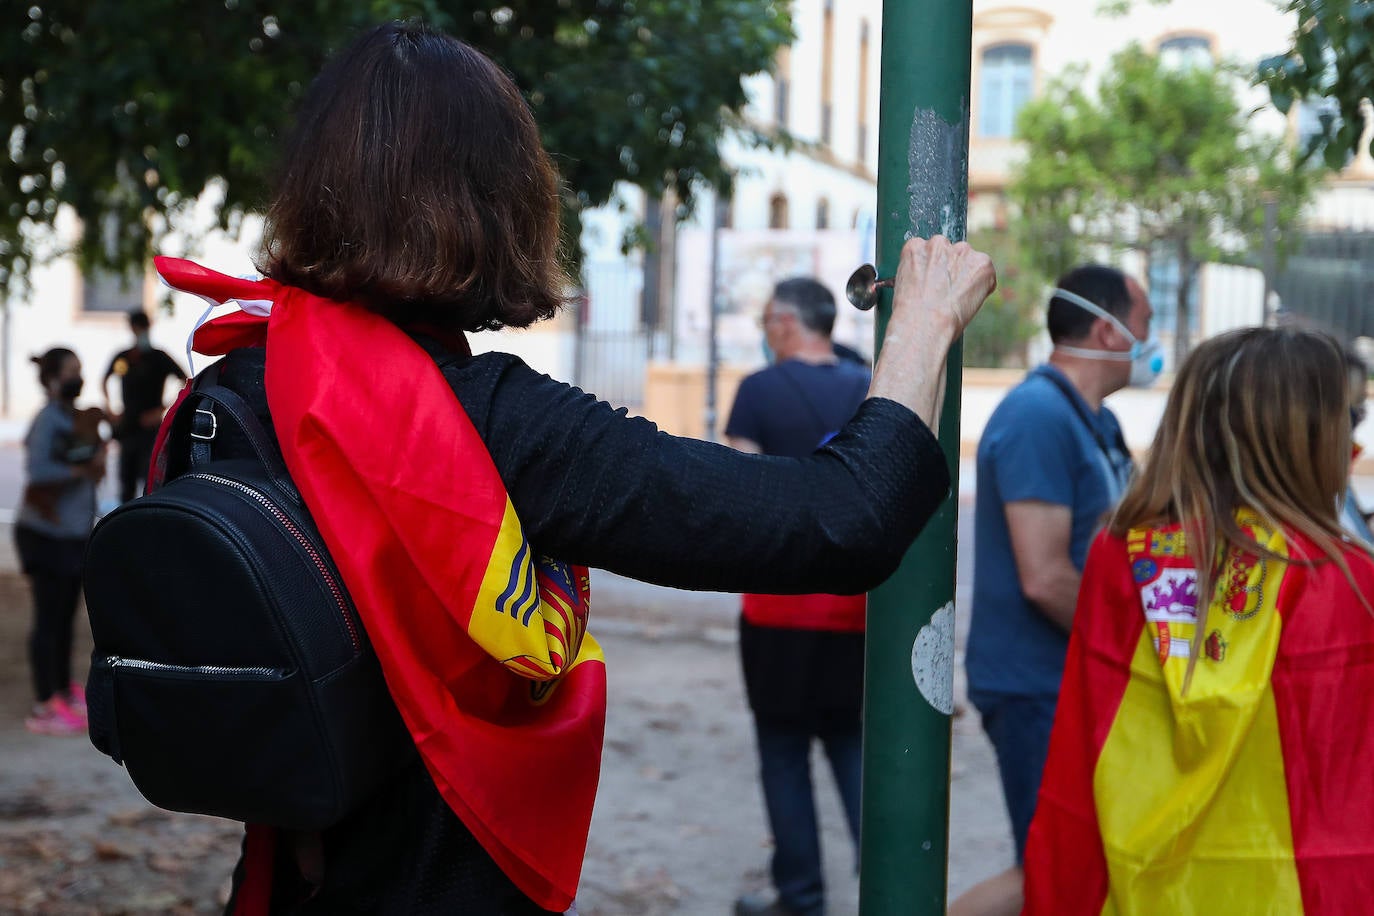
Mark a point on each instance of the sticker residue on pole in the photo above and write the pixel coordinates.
(937, 162)
(932, 660)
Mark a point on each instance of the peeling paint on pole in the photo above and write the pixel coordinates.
(937, 163)
(932, 660)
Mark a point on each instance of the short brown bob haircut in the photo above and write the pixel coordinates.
(415, 184)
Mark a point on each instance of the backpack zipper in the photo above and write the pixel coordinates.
(248, 671)
(301, 539)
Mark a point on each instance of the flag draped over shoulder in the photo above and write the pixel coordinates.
(483, 642)
(1251, 793)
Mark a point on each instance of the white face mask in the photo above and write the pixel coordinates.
(1145, 356)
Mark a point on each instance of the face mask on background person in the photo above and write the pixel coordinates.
(1145, 356)
(144, 342)
(70, 389)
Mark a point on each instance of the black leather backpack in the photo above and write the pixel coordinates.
(231, 675)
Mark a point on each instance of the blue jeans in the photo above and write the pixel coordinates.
(1019, 728)
(785, 769)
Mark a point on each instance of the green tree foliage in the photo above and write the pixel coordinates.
(127, 111)
(1158, 158)
(1332, 57)
(1013, 314)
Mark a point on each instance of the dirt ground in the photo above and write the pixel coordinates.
(679, 825)
(75, 836)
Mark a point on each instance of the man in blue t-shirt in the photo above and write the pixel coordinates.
(802, 655)
(1051, 465)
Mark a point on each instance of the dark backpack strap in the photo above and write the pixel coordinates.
(827, 429)
(202, 431)
(196, 427)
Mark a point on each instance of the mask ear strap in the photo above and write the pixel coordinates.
(1116, 356)
(1089, 306)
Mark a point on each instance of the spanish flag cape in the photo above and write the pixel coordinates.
(1252, 793)
(483, 643)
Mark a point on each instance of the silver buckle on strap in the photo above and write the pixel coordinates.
(214, 425)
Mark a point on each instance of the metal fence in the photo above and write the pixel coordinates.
(612, 348)
(612, 365)
(1330, 282)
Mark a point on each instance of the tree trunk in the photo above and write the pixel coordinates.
(1187, 271)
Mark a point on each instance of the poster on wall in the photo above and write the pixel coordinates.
(752, 262)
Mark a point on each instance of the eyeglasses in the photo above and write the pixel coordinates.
(767, 319)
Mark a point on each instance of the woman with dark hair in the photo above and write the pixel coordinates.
(50, 535)
(415, 203)
(1210, 751)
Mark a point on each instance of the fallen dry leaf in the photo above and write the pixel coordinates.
(107, 851)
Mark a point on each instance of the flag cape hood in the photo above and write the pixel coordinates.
(482, 641)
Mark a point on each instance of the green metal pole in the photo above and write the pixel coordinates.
(922, 191)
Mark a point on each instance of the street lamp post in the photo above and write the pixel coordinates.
(922, 191)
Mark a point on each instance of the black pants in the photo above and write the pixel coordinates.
(53, 566)
(135, 452)
(402, 853)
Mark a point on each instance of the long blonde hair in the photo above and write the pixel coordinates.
(1256, 419)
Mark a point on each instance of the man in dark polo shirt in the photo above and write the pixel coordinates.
(802, 654)
(142, 371)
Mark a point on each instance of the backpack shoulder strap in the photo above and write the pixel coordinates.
(196, 426)
(807, 398)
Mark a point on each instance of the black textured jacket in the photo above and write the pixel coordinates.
(593, 486)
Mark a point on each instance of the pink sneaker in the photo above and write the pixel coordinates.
(76, 698)
(55, 717)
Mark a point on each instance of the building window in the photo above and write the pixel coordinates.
(1006, 77)
(777, 212)
(823, 214)
(1185, 52)
(105, 292)
(782, 86)
(1164, 279)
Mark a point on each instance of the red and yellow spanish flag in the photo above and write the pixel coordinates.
(1251, 793)
(483, 642)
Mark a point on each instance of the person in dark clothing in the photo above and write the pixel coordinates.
(50, 537)
(415, 188)
(143, 371)
(802, 655)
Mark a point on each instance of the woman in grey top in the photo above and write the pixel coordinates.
(62, 468)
